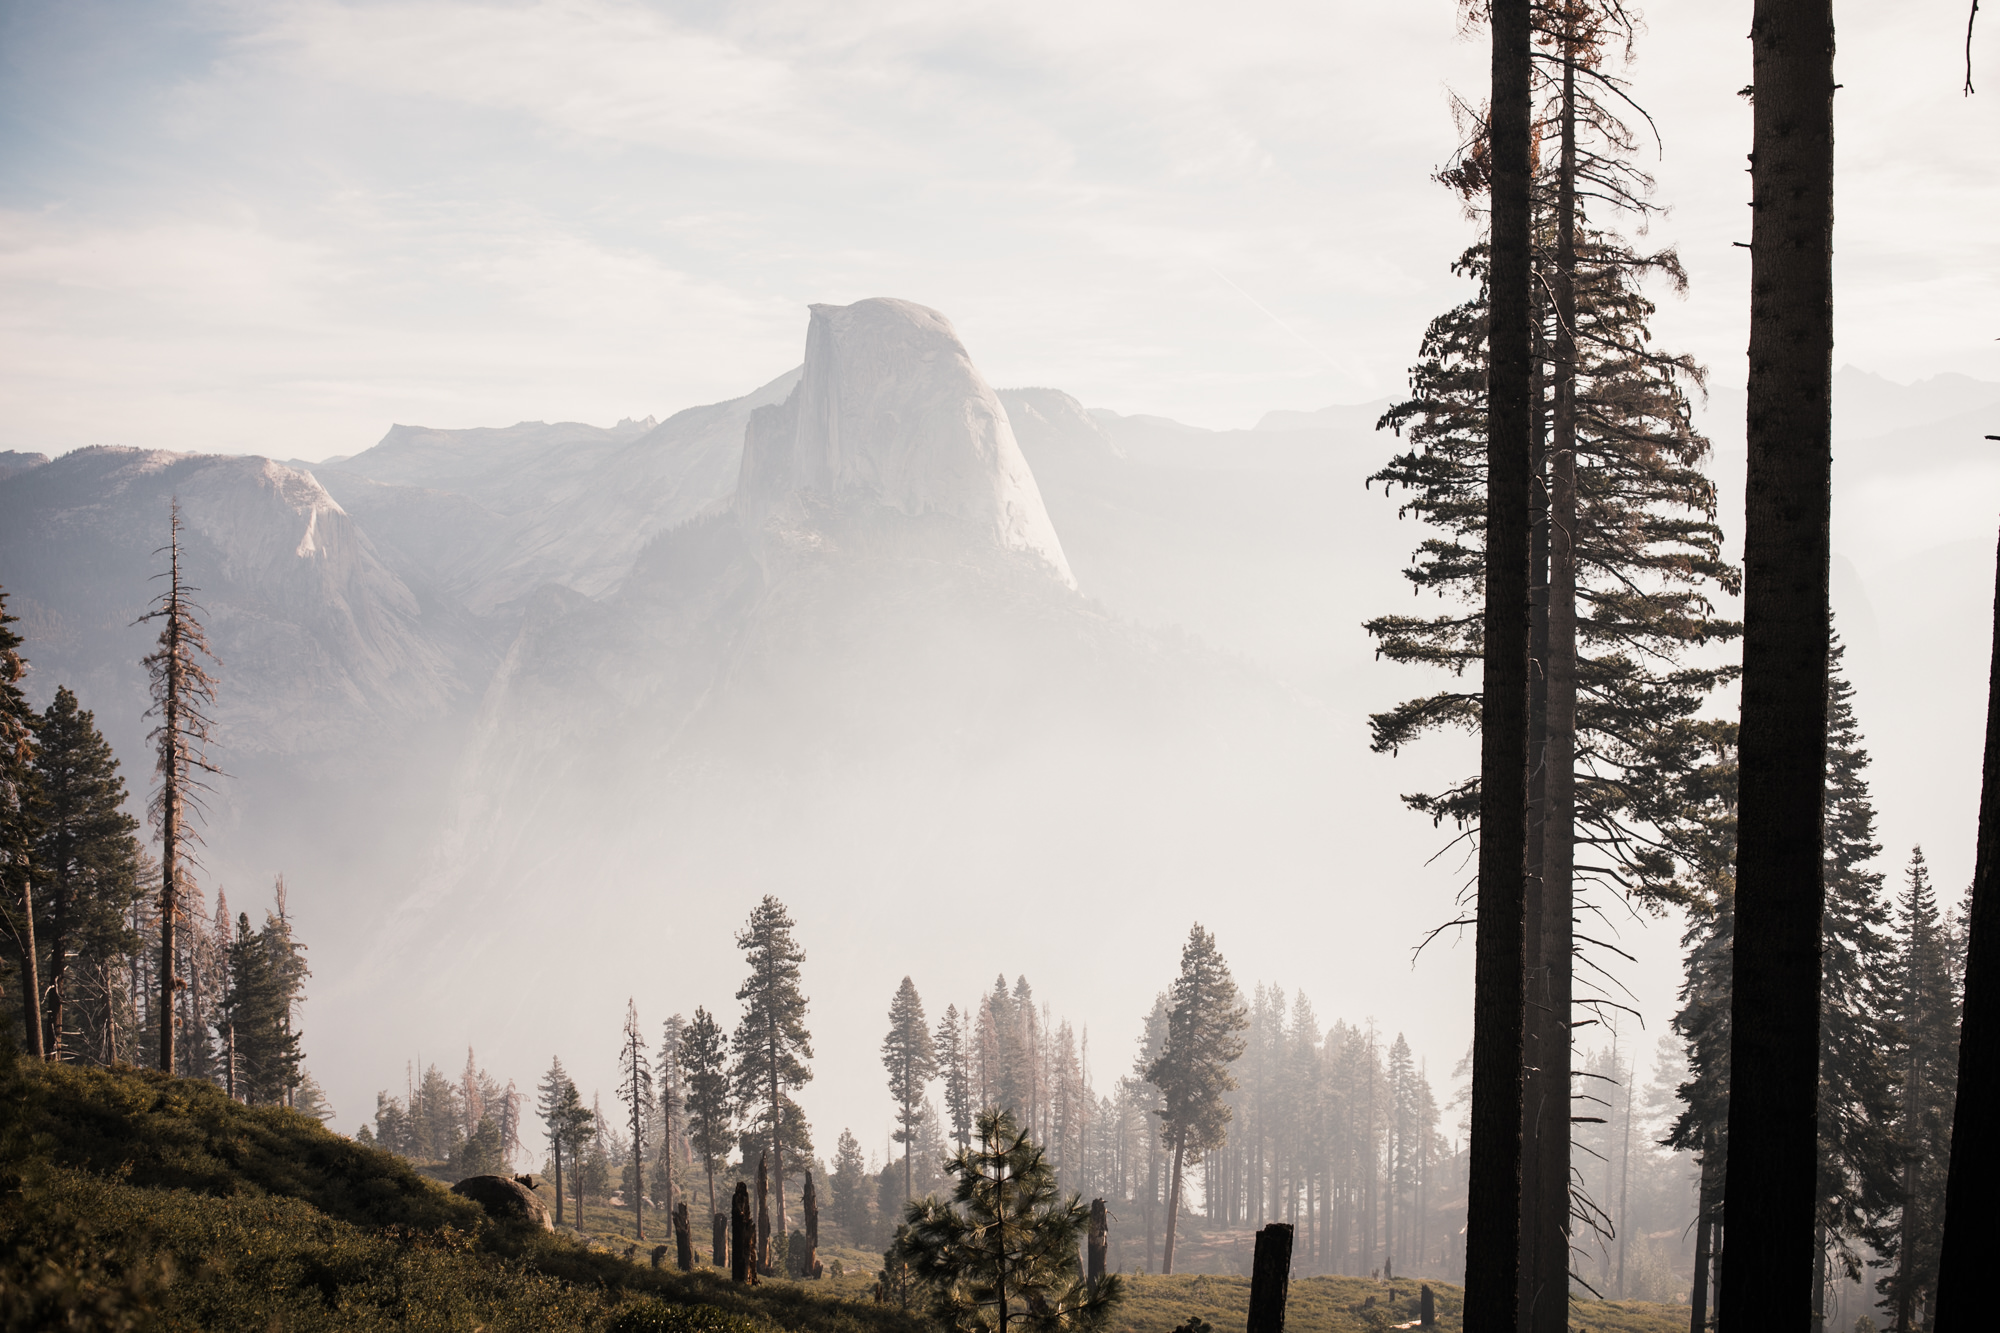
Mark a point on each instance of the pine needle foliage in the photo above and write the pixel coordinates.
(772, 1043)
(1002, 1252)
(705, 1076)
(911, 1061)
(1648, 552)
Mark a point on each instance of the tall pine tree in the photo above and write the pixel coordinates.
(1204, 1037)
(772, 1043)
(911, 1061)
(1927, 1010)
(86, 857)
(704, 1065)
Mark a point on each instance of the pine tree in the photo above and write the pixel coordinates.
(849, 1184)
(704, 1067)
(183, 694)
(772, 1044)
(911, 1060)
(554, 1097)
(266, 977)
(1927, 1012)
(1192, 1070)
(1004, 1250)
(1770, 1192)
(1859, 1163)
(667, 1070)
(20, 825)
(635, 1089)
(950, 1046)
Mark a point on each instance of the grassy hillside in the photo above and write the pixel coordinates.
(133, 1201)
(1343, 1305)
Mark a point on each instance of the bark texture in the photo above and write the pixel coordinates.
(1963, 1300)
(1493, 1222)
(1770, 1180)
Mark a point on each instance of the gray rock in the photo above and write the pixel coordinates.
(506, 1198)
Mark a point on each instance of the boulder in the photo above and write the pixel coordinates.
(506, 1198)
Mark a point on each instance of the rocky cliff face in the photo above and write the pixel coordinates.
(324, 646)
(890, 412)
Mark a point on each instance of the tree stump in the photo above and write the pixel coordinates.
(1099, 1247)
(721, 1240)
(742, 1237)
(809, 1265)
(1270, 1278)
(1427, 1311)
(683, 1238)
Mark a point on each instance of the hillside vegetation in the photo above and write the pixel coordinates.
(129, 1200)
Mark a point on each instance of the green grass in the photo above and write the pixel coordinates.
(1156, 1304)
(130, 1200)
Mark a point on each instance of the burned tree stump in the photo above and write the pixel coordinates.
(809, 1265)
(1270, 1278)
(1099, 1245)
(1427, 1311)
(683, 1238)
(742, 1237)
(722, 1240)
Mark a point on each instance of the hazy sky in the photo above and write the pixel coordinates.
(279, 227)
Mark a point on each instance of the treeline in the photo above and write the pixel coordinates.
(81, 930)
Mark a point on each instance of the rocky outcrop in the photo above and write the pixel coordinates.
(506, 1199)
(890, 412)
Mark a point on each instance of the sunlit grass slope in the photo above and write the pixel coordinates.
(133, 1201)
(1343, 1305)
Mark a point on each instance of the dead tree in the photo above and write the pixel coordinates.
(721, 1240)
(683, 1238)
(1270, 1278)
(1099, 1243)
(808, 1264)
(742, 1237)
(183, 695)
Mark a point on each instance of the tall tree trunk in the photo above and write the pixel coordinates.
(1546, 1242)
(1625, 1180)
(1174, 1200)
(777, 1154)
(1962, 1289)
(1704, 1233)
(1493, 1217)
(763, 1264)
(1772, 1175)
(555, 1146)
(30, 955)
(1099, 1247)
(170, 847)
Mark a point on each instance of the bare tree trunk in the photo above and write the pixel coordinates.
(742, 1237)
(1270, 1278)
(1962, 1289)
(1548, 1014)
(1174, 1200)
(763, 1216)
(555, 1144)
(683, 1239)
(809, 1203)
(1493, 1217)
(1771, 1179)
(777, 1161)
(720, 1240)
(1704, 1232)
(1099, 1245)
(30, 955)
